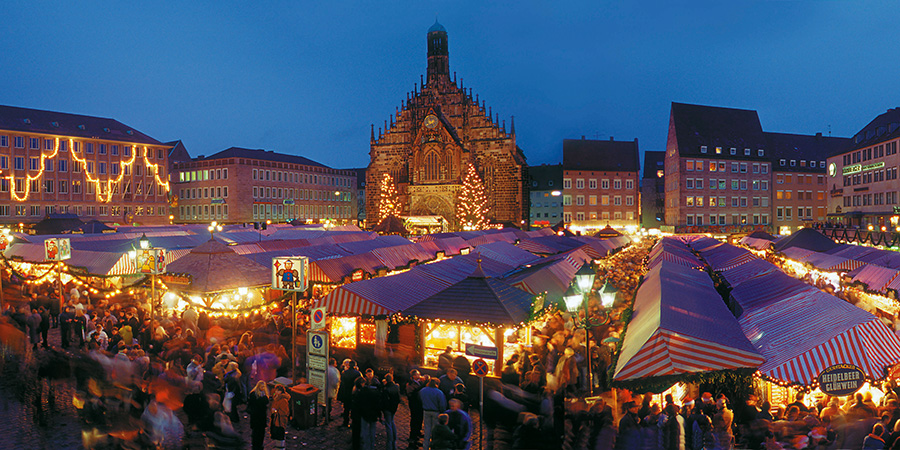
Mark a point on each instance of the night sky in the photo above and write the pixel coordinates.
(309, 78)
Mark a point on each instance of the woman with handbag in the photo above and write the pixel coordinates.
(281, 412)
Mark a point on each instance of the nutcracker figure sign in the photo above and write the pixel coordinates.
(150, 261)
(289, 273)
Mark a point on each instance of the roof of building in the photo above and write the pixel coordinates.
(29, 120)
(882, 128)
(801, 147)
(360, 177)
(713, 126)
(178, 152)
(608, 156)
(547, 176)
(437, 27)
(653, 161)
(265, 155)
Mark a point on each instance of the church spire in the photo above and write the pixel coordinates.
(438, 55)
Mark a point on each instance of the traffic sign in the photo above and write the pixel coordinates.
(317, 319)
(480, 367)
(481, 351)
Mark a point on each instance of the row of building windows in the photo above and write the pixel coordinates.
(604, 215)
(604, 200)
(207, 192)
(102, 148)
(545, 204)
(802, 213)
(276, 211)
(736, 202)
(733, 151)
(538, 215)
(871, 177)
(879, 198)
(592, 183)
(878, 151)
(203, 212)
(721, 166)
(62, 165)
(736, 219)
(300, 194)
(721, 184)
(294, 177)
(203, 175)
(801, 195)
(90, 211)
(801, 179)
(803, 163)
(48, 186)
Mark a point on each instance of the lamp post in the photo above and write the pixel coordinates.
(577, 295)
(213, 227)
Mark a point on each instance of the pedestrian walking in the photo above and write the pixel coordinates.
(433, 403)
(334, 381)
(389, 403)
(281, 412)
(413, 387)
(258, 408)
(345, 391)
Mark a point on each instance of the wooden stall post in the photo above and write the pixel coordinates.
(498, 341)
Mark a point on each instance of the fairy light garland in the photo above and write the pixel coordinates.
(388, 203)
(471, 205)
(102, 195)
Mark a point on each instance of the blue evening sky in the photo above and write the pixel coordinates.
(308, 78)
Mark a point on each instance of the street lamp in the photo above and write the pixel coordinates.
(213, 227)
(577, 296)
(144, 241)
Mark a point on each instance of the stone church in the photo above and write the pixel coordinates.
(428, 143)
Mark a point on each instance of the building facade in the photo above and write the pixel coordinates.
(800, 195)
(653, 190)
(600, 184)
(862, 178)
(429, 142)
(240, 185)
(546, 195)
(96, 168)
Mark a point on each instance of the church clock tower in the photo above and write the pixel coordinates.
(436, 133)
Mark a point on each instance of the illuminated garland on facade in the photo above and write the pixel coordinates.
(388, 203)
(471, 205)
(110, 183)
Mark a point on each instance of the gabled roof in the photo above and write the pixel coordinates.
(178, 152)
(548, 177)
(882, 128)
(609, 156)
(801, 147)
(265, 155)
(29, 120)
(653, 161)
(714, 126)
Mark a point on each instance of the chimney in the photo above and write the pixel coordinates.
(819, 134)
(611, 139)
(582, 137)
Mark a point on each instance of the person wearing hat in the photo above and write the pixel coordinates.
(629, 427)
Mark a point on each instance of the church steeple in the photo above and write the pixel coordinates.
(438, 55)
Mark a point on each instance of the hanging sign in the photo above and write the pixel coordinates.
(841, 379)
(289, 273)
(57, 249)
(317, 318)
(150, 261)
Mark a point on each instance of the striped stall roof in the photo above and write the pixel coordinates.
(738, 274)
(680, 325)
(552, 275)
(768, 288)
(506, 253)
(824, 261)
(797, 253)
(724, 257)
(875, 277)
(801, 336)
(665, 256)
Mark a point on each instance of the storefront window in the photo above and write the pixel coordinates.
(343, 332)
(367, 333)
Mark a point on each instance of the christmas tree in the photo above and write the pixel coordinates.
(471, 205)
(389, 203)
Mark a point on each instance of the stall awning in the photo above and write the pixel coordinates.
(680, 325)
(737, 275)
(768, 288)
(875, 277)
(801, 336)
(797, 253)
(725, 257)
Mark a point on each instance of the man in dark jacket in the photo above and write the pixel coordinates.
(65, 325)
(345, 391)
(370, 411)
(416, 415)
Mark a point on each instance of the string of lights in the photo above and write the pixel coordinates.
(471, 205)
(389, 203)
(103, 195)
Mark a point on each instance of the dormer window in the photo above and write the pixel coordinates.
(802, 162)
(106, 130)
(793, 163)
(746, 152)
(781, 162)
(702, 149)
(28, 121)
(733, 151)
(822, 164)
(55, 124)
(81, 127)
(761, 152)
(129, 132)
(718, 150)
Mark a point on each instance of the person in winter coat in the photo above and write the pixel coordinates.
(258, 407)
(442, 437)
(281, 412)
(368, 401)
(345, 391)
(390, 400)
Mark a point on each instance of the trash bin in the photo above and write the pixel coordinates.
(304, 405)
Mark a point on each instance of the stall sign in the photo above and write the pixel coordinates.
(4, 242)
(150, 260)
(317, 318)
(481, 351)
(357, 275)
(57, 249)
(289, 273)
(172, 279)
(841, 379)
